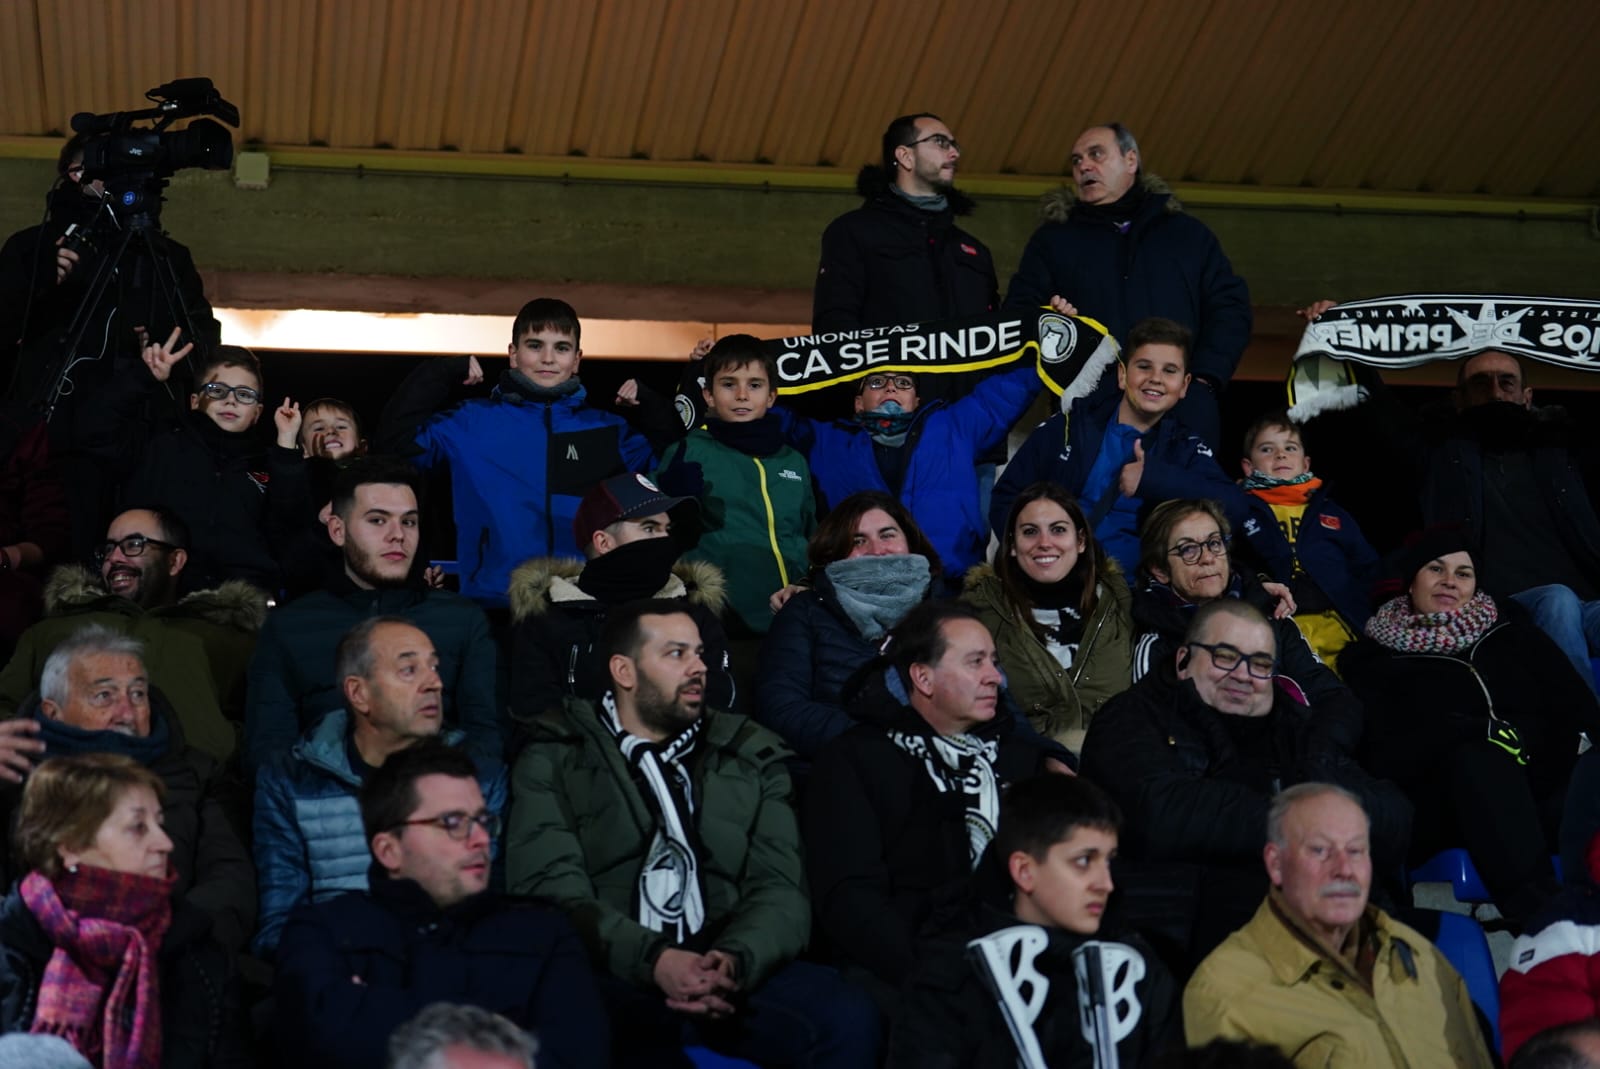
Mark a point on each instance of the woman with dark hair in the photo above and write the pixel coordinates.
(1185, 563)
(869, 565)
(1475, 713)
(92, 947)
(1059, 611)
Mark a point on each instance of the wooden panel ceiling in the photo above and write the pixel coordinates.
(1445, 96)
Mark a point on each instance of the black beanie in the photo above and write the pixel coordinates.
(1432, 544)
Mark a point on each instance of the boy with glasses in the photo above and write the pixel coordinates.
(354, 968)
(242, 497)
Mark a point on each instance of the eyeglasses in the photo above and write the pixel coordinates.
(217, 391)
(1191, 552)
(459, 825)
(1227, 658)
(131, 546)
(880, 382)
(944, 142)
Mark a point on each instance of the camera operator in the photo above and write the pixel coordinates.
(46, 275)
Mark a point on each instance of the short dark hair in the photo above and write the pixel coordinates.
(1552, 1048)
(212, 357)
(389, 796)
(1126, 142)
(71, 150)
(901, 132)
(547, 313)
(919, 637)
(354, 655)
(1092, 562)
(1156, 531)
(1158, 331)
(624, 627)
(333, 404)
(1461, 366)
(1237, 608)
(170, 526)
(1038, 813)
(834, 537)
(352, 473)
(736, 351)
(1277, 418)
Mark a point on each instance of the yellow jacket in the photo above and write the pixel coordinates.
(1267, 985)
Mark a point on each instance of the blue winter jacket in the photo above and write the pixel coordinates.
(309, 841)
(1330, 547)
(940, 487)
(1176, 465)
(1167, 264)
(518, 469)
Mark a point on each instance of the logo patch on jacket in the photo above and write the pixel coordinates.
(968, 249)
(260, 478)
(1251, 527)
(789, 473)
(1332, 523)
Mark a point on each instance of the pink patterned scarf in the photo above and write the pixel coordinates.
(100, 990)
(1398, 626)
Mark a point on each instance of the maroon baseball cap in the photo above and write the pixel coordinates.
(621, 497)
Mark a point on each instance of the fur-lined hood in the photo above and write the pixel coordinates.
(235, 604)
(1056, 205)
(872, 182)
(538, 584)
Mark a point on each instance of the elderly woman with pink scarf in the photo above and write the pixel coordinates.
(93, 948)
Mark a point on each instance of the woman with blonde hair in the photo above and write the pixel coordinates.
(92, 947)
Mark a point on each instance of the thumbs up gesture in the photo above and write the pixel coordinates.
(1133, 471)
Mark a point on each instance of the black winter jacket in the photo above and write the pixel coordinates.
(200, 1019)
(887, 853)
(1188, 793)
(354, 968)
(950, 1019)
(1167, 264)
(1161, 624)
(1419, 705)
(889, 262)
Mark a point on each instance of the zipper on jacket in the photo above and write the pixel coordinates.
(572, 670)
(549, 511)
(1076, 671)
(772, 523)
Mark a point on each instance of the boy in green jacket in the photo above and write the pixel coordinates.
(757, 507)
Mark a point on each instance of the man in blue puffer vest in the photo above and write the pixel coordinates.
(309, 842)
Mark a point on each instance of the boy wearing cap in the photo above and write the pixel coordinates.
(559, 605)
(757, 508)
(521, 458)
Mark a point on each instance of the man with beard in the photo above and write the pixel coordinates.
(308, 841)
(353, 969)
(95, 697)
(1321, 974)
(559, 605)
(1118, 246)
(196, 647)
(293, 679)
(665, 829)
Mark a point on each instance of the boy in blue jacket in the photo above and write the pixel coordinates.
(1121, 453)
(521, 459)
(1324, 558)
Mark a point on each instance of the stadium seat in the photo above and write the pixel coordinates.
(1455, 868)
(1462, 942)
(710, 1059)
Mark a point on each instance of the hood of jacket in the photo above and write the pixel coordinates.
(234, 604)
(1056, 205)
(872, 182)
(539, 584)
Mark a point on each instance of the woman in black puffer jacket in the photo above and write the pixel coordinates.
(870, 563)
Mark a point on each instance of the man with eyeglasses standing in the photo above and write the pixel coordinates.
(900, 258)
(666, 831)
(308, 841)
(430, 929)
(1194, 754)
(196, 647)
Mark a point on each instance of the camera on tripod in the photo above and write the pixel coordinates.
(134, 162)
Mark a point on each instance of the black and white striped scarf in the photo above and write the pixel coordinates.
(670, 898)
(964, 765)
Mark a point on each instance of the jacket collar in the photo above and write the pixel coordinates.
(323, 746)
(407, 900)
(1293, 956)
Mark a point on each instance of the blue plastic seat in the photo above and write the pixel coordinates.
(706, 1058)
(1462, 942)
(1455, 868)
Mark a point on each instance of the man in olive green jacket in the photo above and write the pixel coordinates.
(667, 832)
(1321, 975)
